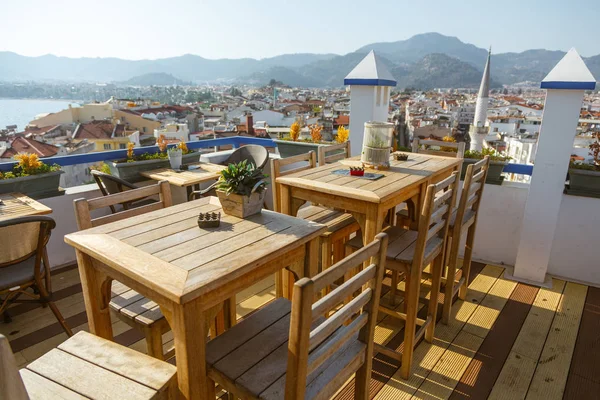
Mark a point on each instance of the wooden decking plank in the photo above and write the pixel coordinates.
(515, 377)
(481, 374)
(550, 376)
(585, 365)
(427, 355)
(444, 377)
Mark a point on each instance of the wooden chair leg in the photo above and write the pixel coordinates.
(450, 277)
(394, 288)
(46, 295)
(279, 284)
(211, 390)
(466, 268)
(412, 304)
(436, 277)
(154, 342)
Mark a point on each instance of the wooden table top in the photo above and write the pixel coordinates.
(15, 205)
(206, 172)
(167, 252)
(401, 175)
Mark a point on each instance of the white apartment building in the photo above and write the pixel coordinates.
(174, 132)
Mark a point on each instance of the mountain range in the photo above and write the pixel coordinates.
(424, 61)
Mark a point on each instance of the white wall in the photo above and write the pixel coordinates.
(575, 252)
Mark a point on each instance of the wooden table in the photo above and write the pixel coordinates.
(188, 179)
(18, 205)
(189, 272)
(367, 200)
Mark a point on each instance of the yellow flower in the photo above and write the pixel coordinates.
(130, 147)
(342, 134)
(183, 147)
(448, 139)
(295, 131)
(28, 162)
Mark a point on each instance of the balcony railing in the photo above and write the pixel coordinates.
(235, 141)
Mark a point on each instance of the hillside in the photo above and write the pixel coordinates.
(154, 78)
(406, 58)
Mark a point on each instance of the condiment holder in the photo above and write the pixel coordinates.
(209, 220)
(401, 156)
(357, 171)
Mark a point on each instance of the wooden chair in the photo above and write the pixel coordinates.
(339, 225)
(109, 184)
(86, 366)
(134, 309)
(289, 351)
(407, 215)
(333, 153)
(24, 264)
(426, 143)
(467, 212)
(410, 252)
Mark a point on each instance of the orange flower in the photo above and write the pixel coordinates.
(295, 131)
(315, 133)
(28, 162)
(161, 143)
(183, 147)
(342, 135)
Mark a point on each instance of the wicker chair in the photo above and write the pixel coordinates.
(24, 264)
(256, 155)
(109, 184)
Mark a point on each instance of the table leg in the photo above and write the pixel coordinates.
(96, 294)
(189, 331)
(373, 224)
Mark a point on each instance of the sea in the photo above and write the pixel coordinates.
(21, 111)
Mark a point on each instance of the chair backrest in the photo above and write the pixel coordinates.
(84, 206)
(257, 155)
(333, 153)
(24, 237)
(350, 328)
(435, 215)
(276, 166)
(11, 384)
(472, 191)
(426, 143)
(109, 184)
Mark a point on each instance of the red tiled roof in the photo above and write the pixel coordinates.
(23, 145)
(342, 120)
(98, 130)
(34, 130)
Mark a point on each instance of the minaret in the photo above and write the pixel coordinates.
(478, 130)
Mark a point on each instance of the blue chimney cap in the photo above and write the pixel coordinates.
(371, 71)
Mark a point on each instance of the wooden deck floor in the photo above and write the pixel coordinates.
(506, 341)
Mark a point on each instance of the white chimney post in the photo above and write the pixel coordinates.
(370, 86)
(565, 85)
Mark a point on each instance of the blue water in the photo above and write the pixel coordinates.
(21, 112)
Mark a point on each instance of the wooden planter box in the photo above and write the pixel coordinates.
(130, 171)
(494, 176)
(35, 186)
(241, 206)
(583, 183)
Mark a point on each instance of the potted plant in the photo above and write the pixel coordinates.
(497, 163)
(377, 143)
(129, 169)
(31, 177)
(241, 189)
(294, 145)
(584, 178)
(175, 155)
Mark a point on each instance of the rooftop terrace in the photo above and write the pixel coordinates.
(508, 340)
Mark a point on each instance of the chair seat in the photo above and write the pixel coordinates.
(468, 219)
(133, 306)
(87, 365)
(401, 245)
(250, 359)
(335, 220)
(18, 274)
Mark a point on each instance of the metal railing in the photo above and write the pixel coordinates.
(235, 141)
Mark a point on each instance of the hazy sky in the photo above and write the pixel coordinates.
(135, 29)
